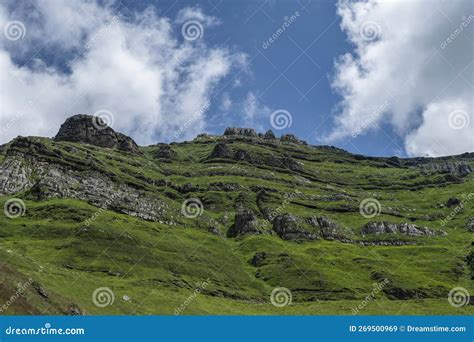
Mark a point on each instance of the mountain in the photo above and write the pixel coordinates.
(243, 223)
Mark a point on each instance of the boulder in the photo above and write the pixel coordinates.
(288, 228)
(93, 130)
(258, 259)
(245, 223)
(453, 201)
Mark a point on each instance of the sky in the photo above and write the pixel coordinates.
(376, 78)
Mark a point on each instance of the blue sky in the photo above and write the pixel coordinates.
(370, 77)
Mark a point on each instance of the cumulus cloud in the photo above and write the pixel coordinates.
(410, 70)
(87, 56)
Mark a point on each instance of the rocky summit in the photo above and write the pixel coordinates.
(93, 130)
(245, 211)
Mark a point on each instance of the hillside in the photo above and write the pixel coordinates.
(214, 225)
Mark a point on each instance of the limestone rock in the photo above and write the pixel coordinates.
(247, 132)
(379, 227)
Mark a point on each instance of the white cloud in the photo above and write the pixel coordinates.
(138, 67)
(404, 74)
(254, 110)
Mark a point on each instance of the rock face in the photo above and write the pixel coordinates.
(245, 223)
(269, 135)
(94, 131)
(247, 132)
(460, 169)
(329, 230)
(288, 228)
(377, 228)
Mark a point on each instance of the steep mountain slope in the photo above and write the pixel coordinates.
(100, 225)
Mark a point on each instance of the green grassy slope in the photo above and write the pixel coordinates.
(153, 267)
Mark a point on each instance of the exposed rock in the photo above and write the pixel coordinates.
(470, 224)
(242, 155)
(258, 259)
(247, 132)
(73, 310)
(460, 169)
(220, 186)
(291, 139)
(269, 135)
(329, 230)
(94, 131)
(245, 223)
(165, 152)
(379, 227)
(221, 150)
(453, 201)
(288, 228)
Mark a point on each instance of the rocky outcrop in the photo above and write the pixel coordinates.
(459, 169)
(453, 201)
(221, 150)
(269, 135)
(380, 227)
(93, 130)
(258, 259)
(288, 228)
(328, 229)
(290, 138)
(245, 223)
(165, 152)
(246, 132)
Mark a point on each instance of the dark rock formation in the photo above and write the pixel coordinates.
(269, 135)
(453, 201)
(221, 150)
(288, 228)
(245, 223)
(247, 132)
(94, 131)
(378, 227)
(165, 152)
(459, 169)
